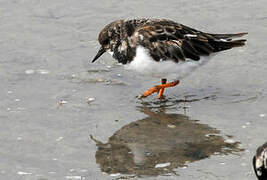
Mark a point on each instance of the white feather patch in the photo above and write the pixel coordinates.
(144, 64)
(110, 52)
(190, 35)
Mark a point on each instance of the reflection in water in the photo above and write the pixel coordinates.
(170, 140)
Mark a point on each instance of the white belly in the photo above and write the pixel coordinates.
(144, 64)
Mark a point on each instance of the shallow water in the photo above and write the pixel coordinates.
(65, 118)
(159, 144)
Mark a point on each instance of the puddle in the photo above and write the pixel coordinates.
(159, 144)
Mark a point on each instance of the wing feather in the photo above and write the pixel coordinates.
(167, 40)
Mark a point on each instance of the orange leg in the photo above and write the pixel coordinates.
(161, 91)
(158, 88)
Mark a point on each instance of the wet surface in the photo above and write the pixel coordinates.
(53, 99)
(159, 144)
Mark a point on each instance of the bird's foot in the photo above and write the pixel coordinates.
(159, 88)
(150, 91)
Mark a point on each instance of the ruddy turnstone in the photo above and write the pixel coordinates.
(161, 48)
(260, 162)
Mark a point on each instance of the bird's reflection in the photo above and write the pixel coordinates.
(158, 144)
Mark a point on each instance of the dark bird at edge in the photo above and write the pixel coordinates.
(260, 162)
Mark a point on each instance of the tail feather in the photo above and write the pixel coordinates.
(224, 45)
(224, 41)
(237, 43)
(228, 36)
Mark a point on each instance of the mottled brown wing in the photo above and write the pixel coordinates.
(167, 40)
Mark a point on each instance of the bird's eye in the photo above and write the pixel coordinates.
(106, 41)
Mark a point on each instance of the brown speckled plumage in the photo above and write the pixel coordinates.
(165, 40)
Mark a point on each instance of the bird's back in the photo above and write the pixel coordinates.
(168, 40)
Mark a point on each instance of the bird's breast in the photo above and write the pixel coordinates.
(143, 63)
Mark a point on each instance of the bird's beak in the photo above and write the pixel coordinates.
(99, 53)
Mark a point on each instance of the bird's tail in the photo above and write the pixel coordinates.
(228, 36)
(225, 41)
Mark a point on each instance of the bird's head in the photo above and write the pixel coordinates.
(260, 162)
(108, 37)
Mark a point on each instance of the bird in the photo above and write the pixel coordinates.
(260, 162)
(162, 48)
